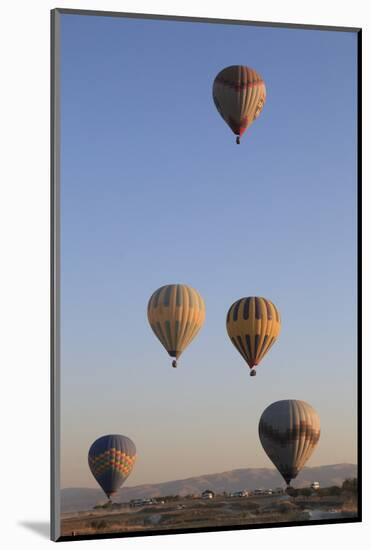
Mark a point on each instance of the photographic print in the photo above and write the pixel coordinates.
(205, 192)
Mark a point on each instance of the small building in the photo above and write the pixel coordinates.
(315, 485)
(208, 494)
(278, 491)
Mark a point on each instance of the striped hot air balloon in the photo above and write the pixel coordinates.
(111, 459)
(176, 313)
(253, 325)
(239, 95)
(289, 431)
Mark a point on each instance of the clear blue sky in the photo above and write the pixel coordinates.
(155, 191)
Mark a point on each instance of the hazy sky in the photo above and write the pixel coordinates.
(155, 191)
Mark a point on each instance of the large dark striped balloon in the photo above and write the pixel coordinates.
(253, 325)
(176, 313)
(111, 459)
(289, 431)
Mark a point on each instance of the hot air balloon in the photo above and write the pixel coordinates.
(239, 95)
(176, 313)
(289, 431)
(111, 459)
(253, 325)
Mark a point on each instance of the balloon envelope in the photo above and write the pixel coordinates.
(239, 95)
(289, 431)
(176, 313)
(111, 459)
(253, 325)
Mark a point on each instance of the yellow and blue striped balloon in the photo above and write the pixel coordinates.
(176, 313)
(253, 325)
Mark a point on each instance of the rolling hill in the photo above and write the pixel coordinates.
(76, 499)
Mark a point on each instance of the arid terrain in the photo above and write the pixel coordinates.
(183, 513)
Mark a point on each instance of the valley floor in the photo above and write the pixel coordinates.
(198, 513)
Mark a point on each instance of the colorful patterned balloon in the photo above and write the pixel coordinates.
(111, 459)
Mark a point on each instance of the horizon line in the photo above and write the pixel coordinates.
(215, 473)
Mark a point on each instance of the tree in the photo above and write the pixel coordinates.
(350, 485)
(334, 490)
(292, 492)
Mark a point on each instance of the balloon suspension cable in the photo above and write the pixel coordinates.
(253, 372)
(174, 364)
(238, 140)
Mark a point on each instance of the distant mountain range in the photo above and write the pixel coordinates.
(76, 499)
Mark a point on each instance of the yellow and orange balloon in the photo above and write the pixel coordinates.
(176, 313)
(239, 95)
